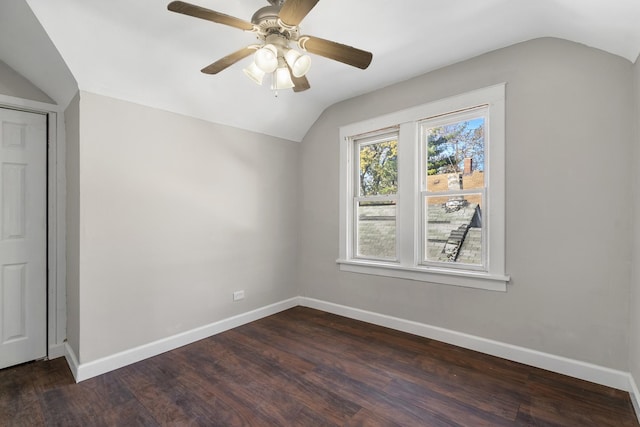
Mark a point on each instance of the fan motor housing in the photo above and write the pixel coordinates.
(268, 22)
(267, 13)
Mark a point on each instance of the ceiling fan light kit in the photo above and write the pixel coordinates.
(298, 62)
(276, 26)
(282, 79)
(266, 58)
(254, 73)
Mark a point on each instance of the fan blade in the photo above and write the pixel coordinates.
(228, 60)
(299, 83)
(209, 15)
(336, 51)
(294, 11)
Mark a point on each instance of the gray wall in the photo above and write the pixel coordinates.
(634, 331)
(174, 215)
(72, 129)
(14, 84)
(569, 110)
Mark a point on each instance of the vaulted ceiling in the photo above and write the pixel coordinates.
(140, 52)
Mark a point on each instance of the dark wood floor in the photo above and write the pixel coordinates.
(303, 367)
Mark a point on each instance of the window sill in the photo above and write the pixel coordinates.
(469, 279)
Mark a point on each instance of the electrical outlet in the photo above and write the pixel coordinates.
(238, 295)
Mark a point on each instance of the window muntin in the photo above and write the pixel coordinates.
(375, 202)
(454, 189)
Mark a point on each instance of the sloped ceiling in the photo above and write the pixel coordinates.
(140, 52)
(26, 47)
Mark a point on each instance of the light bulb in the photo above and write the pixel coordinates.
(299, 63)
(282, 79)
(266, 58)
(254, 73)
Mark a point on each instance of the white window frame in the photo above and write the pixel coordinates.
(409, 211)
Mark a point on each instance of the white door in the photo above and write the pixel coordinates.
(23, 202)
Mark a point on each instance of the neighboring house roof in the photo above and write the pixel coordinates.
(455, 234)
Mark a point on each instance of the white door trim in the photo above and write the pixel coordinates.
(56, 217)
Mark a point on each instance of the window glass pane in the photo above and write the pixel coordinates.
(378, 168)
(454, 229)
(376, 230)
(455, 155)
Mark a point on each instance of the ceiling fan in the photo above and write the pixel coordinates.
(276, 26)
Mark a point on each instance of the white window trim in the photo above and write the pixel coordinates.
(409, 267)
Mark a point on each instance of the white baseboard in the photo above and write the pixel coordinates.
(573, 368)
(635, 396)
(72, 360)
(83, 371)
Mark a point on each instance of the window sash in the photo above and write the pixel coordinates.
(376, 137)
(366, 140)
(445, 119)
(356, 227)
(424, 195)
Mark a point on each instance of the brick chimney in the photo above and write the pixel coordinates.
(468, 165)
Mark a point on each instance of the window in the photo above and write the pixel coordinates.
(422, 192)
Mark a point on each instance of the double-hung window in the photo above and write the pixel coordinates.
(422, 192)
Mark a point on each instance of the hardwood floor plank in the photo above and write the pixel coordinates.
(130, 413)
(316, 400)
(19, 402)
(456, 381)
(72, 406)
(248, 385)
(348, 359)
(50, 374)
(304, 367)
(553, 401)
(376, 400)
(229, 410)
(356, 338)
(486, 391)
(367, 418)
(464, 412)
(572, 389)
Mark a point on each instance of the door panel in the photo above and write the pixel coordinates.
(13, 200)
(23, 152)
(13, 302)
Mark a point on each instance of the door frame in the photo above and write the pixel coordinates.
(56, 219)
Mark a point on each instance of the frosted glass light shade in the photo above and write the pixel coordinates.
(254, 73)
(299, 63)
(266, 58)
(282, 79)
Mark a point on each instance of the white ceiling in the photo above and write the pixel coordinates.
(140, 52)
